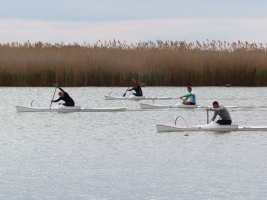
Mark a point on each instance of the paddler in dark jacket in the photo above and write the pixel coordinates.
(64, 96)
(136, 88)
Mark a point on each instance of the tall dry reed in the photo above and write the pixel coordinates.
(115, 63)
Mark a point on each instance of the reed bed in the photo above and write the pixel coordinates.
(115, 63)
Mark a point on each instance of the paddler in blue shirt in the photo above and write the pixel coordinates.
(190, 96)
(136, 88)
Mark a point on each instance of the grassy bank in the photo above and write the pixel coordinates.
(211, 63)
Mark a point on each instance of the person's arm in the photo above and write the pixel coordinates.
(186, 96)
(61, 89)
(57, 100)
(214, 116)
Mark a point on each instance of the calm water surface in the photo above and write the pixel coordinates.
(120, 155)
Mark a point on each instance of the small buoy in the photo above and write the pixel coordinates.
(186, 134)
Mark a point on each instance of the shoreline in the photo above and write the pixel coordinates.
(168, 63)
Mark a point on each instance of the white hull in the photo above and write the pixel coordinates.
(135, 98)
(212, 126)
(160, 106)
(179, 105)
(66, 109)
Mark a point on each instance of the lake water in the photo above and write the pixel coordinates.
(120, 155)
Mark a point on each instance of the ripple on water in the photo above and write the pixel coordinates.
(121, 156)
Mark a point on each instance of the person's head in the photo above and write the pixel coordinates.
(215, 104)
(134, 83)
(189, 89)
(61, 94)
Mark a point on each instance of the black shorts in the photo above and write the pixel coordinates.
(139, 95)
(69, 104)
(224, 122)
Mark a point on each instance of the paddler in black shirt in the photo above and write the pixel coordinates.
(64, 96)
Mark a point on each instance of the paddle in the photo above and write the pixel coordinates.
(182, 99)
(125, 92)
(207, 116)
(55, 85)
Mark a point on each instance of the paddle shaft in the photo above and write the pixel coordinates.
(207, 116)
(183, 99)
(53, 97)
(125, 92)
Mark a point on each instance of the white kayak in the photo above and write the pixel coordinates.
(161, 106)
(135, 98)
(178, 105)
(212, 126)
(62, 108)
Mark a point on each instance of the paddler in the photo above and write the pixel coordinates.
(64, 96)
(190, 96)
(222, 112)
(136, 88)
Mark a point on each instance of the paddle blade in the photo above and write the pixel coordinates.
(124, 94)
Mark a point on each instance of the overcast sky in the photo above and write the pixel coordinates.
(87, 21)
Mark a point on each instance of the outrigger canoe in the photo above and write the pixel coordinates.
(135, 98)
(62, 108)
(178, 105)
(212, 126)
(161, 106)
